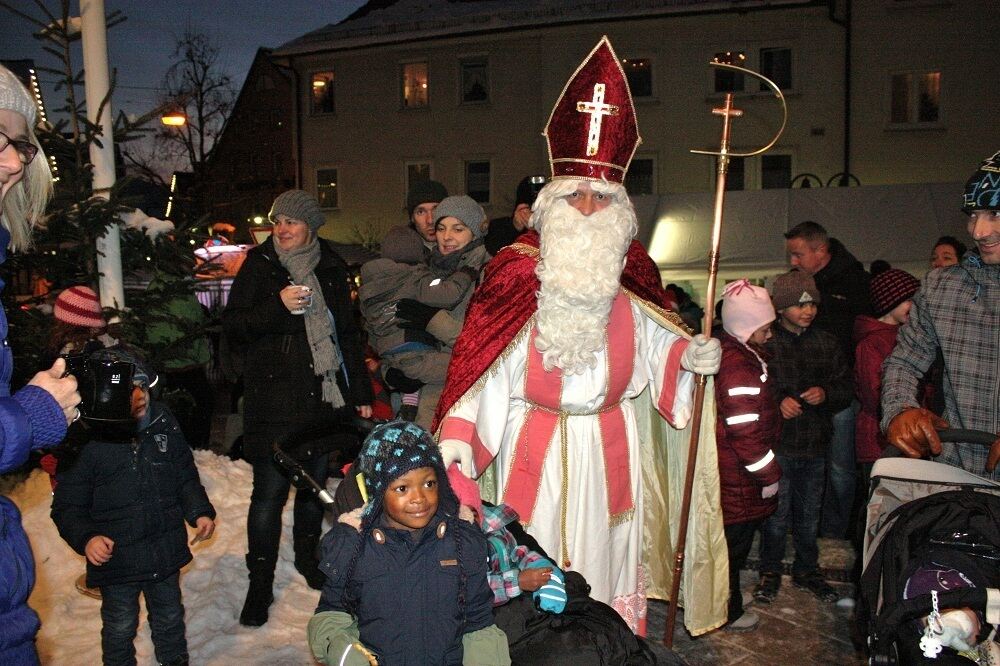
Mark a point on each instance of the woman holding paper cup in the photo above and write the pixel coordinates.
(289, 312)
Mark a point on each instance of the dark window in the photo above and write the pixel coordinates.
(322, 92)
(477, 180)
(775, 171)
(326, 188)
(726, 80)
(475, 80)
(641, 177)
(639, 72)
(415, 85)
(915, 97)
(734, 177)
(776, 64)
(929, 100)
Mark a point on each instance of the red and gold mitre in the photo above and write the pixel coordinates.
(592, 132)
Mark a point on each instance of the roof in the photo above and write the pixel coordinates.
(391, 21)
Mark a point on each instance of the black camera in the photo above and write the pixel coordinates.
(105, 387)
(537, 183)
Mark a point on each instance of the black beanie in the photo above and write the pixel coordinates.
(527, 191)
(424, 191)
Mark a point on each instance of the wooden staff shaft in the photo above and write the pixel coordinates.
(727, 112)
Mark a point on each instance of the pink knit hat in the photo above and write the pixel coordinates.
(80, 306)
(745, 308)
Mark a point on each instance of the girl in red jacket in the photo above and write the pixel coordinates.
(892, 292)
(747, 424)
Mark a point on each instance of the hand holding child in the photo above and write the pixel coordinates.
(790, 408)
(206, 527)
(814, 395)
(98, 550)
(530, 580)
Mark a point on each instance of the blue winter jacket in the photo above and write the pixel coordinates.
(30, 419)
(405, 592)
(136, 493)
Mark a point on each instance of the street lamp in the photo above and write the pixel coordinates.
(174, 117)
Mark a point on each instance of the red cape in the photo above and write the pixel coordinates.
(506, 300)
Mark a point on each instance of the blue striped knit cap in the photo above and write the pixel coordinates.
(391, 450)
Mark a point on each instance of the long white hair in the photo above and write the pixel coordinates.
(580, 267)
(23, 207)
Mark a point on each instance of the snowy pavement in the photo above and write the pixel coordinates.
(213, 585)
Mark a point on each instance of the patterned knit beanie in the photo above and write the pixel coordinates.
(982, 190)
(391, 450)
(890, 288)
(79, 306)
(745, 308)
(298, 205)
(14, 97)
(793, 288)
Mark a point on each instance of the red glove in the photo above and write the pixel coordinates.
(914, 432)
(994, 457)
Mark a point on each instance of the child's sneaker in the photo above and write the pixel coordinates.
(815, 583)
(746, 622)
(767, 589)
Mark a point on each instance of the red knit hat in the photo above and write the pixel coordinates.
(890, 288)
(592, 132)
(80, 306)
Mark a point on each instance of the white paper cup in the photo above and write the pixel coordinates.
(306, 304)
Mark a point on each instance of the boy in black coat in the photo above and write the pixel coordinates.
(122, 503)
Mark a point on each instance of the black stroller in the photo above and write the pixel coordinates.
(924, 515)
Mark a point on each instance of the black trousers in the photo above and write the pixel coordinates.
(739, 539)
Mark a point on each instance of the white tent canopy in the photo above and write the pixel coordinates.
(898, 223)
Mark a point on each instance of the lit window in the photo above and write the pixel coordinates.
(477, 180)
(641, 177)
(326, 188)
(322, 92)
(415, 85)
(915, 98)
(776, 64)
(775, 171)
(726, 80)
(475, 81)
(639, 72)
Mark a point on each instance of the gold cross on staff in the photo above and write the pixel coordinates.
(596, 108)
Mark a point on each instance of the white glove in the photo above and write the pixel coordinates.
(457, 451)
(769, 491)
(702, 356)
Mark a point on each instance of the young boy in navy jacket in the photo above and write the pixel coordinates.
(122, 503)
(406, 578)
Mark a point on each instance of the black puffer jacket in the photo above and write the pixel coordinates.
(136, 493)
(843, 284)
(283, 399)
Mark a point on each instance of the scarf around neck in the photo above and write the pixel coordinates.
(301, 263)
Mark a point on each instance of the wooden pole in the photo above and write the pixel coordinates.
(727, 112)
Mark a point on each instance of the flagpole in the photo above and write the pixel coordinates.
(728, 112)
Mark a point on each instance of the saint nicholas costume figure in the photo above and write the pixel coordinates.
(567, 354)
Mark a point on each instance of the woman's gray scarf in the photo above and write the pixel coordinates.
(300, 264)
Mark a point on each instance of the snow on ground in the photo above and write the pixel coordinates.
(213, 585)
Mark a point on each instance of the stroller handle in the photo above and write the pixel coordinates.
(948, 435)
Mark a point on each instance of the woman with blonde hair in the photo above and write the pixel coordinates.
(38, 414)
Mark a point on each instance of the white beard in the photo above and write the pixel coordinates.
(580, 269)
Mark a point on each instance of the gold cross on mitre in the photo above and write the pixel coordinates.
(596, 108)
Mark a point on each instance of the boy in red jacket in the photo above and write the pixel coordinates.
(747, 425)
(892, 292)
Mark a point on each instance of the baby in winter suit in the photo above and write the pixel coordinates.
(122, 502)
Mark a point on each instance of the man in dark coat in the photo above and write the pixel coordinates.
(843, 285)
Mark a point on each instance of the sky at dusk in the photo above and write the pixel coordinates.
(141, 47)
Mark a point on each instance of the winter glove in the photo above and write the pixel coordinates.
(550, 597)
(702, 356)
(457, 451)
(994, 455)
(914, 432)
(413, 314)
(767, 492)
(398, 381)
